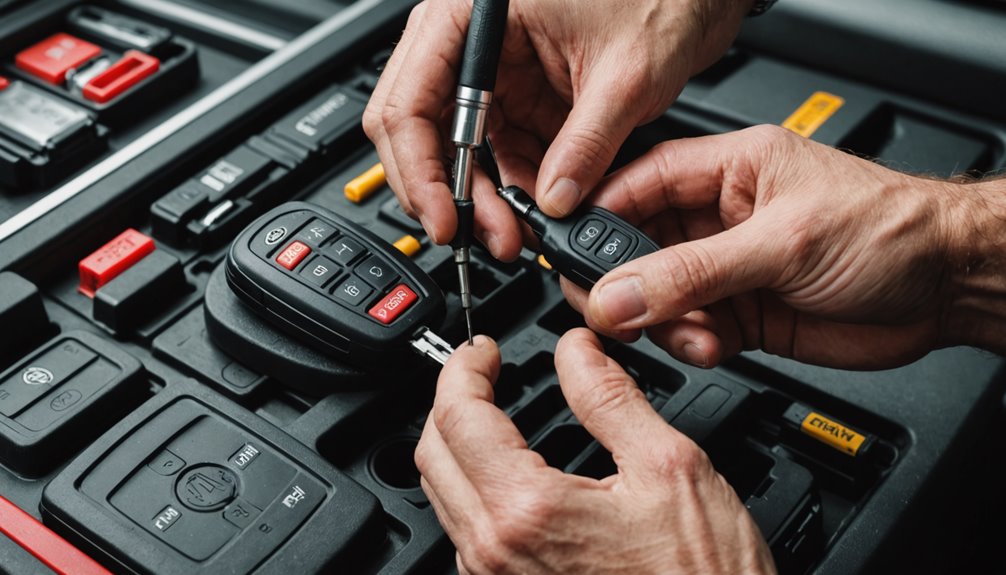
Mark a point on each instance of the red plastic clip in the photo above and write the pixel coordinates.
(121, 76)
(112, 259)
(48, 547)
(53, 57)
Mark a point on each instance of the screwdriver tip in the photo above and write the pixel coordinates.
(471, 331)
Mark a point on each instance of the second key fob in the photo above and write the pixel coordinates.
(332, 283)
(591, 243)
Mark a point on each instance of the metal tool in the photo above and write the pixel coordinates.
(474, 95)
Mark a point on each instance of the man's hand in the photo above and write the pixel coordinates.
(574, 79)
(506, 510)
(779, 243)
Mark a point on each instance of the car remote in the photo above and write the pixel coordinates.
(583, 246)
(336, 285)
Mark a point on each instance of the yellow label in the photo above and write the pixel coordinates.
(544, 262)
(813, 113)
(832, 433)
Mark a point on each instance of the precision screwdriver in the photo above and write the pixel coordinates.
(583, 246)
(474, 95)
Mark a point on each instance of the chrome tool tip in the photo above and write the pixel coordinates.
(471, 330)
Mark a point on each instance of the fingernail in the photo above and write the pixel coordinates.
(695, 355)
(563, 196)
(622, 300)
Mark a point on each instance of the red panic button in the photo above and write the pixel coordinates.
(121, 76)
(293, 255)
(4, 82)
(394, 304)
(112, 259)
(53, 57)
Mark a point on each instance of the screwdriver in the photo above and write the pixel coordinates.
(582, 246)
(474, 94)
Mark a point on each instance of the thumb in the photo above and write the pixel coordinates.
(679, 279)
(608, 402)
(597, 126)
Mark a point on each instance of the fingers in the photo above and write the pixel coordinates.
(488, 448)
(694, 338)
(576, 296)
(495, 223)
(405, 111)
(599, 122)
(678, 279)
(441, 475)
(609, 404)
(689, 173)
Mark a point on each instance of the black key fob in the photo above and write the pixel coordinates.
(592, 242)
(585, 245)
(333, 283)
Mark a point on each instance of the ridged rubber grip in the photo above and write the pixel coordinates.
(485, 40)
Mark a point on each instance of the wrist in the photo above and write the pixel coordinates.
(975, 229)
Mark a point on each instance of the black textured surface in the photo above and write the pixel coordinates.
(483, 45)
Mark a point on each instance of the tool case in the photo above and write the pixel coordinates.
(155, 423)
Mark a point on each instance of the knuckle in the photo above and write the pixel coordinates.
(393, 114)
(416, 15)
(484, 553)
(522, 517)
(769, 140)
(447, 415)
(421, 456)
(593, 145)
(372, 121)
(688, 274)
(607, 394)
(679, 457)
(770, 133)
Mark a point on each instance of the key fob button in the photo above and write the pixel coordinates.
(613, 247)
(320, 271)
(316, 232)
(393, 304)
(345, 250)
(376, 272)
(589, 233)
(353, 291)
(276, 234)
(292, 255)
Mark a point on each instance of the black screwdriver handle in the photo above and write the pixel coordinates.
(484, 43)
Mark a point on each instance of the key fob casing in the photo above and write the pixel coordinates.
(596, 241)
(332, 283)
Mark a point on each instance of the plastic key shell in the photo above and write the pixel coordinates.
(592, 242)
(331, 315)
